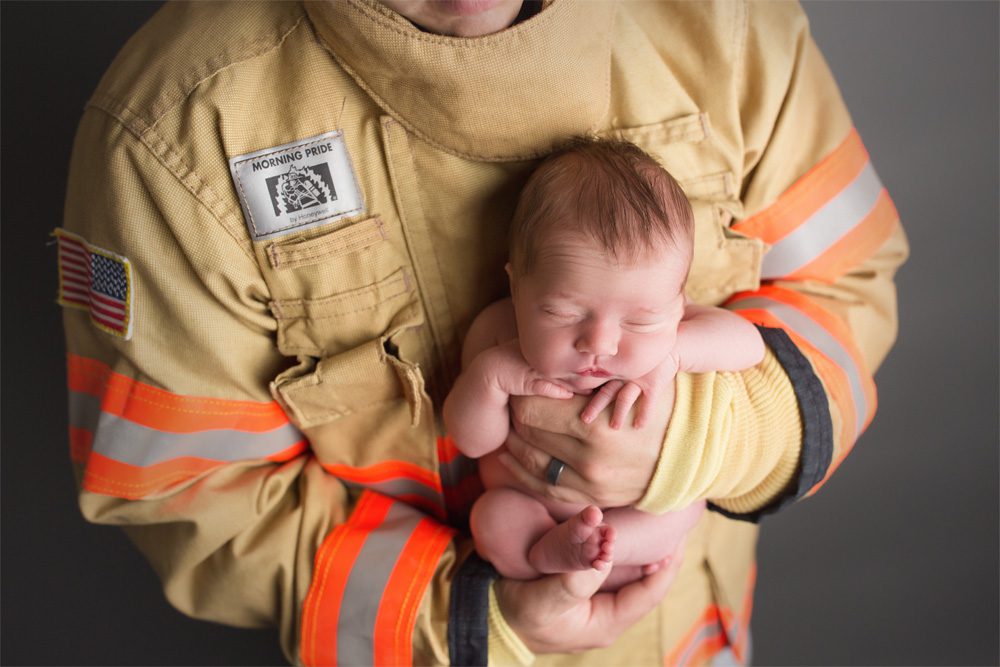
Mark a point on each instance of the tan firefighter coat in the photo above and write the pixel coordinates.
(282, 219)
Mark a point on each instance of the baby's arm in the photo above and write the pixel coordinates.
(476, 414)
(714, 339)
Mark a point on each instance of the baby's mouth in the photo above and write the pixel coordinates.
(593, 372)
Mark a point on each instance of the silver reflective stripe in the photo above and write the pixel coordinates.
(708, 631)
(84, 411)
(366, 583)
(128, 442)
(824, 227)
(725, 658)
(821, 339)
(394, 488)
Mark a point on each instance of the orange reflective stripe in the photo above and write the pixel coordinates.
(819, 185)
(383, 471)
(709, 646)
(448, 451)
(867, 404)
(825, 339)
(717, 627)
(832, 219)
(107, 476)
(164, 411)
(855, 246)
(397, 614)
(80, 443)
(737, 625)
(402, 480)
(334, 560)
(459, 477)
(370, 577)
(135, 439)
(833, 376)
(706, 632)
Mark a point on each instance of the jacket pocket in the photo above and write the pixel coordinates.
(365, 378)
(724, 262)
(368, 420)
(345, 320)
(359, 236)
(338, 289)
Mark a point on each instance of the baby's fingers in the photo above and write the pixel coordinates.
(626, 399)
(600, 400)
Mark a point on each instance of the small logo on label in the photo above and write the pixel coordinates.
(301, 188)
(296, 186)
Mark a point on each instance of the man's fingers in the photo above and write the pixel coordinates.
(635, 600)
(541, 413)
(538, 486)
(533, 463)
(556, 594)
(642, 412)
(579, 586)
(531, 458)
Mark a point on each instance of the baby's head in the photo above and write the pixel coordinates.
(600, 247)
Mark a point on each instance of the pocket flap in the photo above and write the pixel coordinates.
(305, 252)
(317, 327)
(361, 379)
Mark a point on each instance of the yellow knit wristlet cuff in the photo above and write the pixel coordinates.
(768, 412)
(688, 462)
(733, 438)
(505, 647)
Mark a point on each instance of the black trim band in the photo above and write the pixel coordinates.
(468, 631)
(817, 427)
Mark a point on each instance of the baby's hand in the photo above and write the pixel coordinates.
(508, 370)
(626, 394)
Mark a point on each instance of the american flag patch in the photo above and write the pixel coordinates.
(98, 281)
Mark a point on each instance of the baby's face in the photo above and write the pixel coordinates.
(584, 319)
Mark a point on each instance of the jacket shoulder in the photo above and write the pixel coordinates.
(184, 44)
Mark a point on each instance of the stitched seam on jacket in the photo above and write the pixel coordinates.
(161, 107)
(164, 155)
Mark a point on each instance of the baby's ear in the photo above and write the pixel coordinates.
(510, 277)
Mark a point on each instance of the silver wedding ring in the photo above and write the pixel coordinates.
(553, 470)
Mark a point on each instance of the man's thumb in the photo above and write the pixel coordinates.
(578, 586)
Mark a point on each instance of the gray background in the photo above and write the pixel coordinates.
(894, 562)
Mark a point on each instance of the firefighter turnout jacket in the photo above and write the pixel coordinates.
(282, 219)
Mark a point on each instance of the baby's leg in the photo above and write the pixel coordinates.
(516, 533)
(644, 538)
(505, 524)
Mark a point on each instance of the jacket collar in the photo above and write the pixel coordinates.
(506, 96)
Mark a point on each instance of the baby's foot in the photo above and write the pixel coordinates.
(580, 543)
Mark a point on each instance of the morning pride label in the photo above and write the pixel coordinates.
(296, 186)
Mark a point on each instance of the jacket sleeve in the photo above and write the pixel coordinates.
(175, 438)
(753, 441)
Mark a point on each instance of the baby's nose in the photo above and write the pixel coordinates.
(600, 340)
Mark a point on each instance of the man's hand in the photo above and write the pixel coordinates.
(561, 613)
(604, 467)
